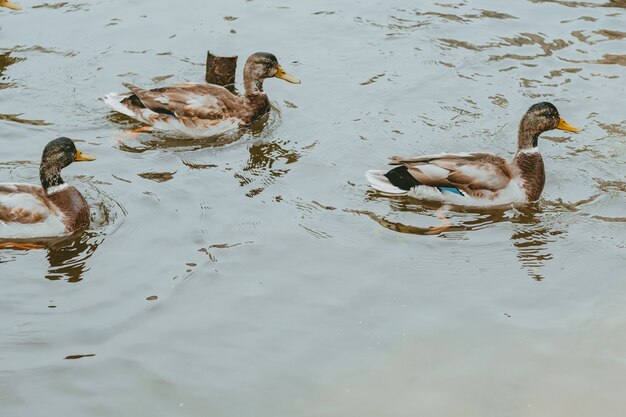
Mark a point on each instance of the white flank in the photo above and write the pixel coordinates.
(512, 193)
(51, 224)
(202, 130)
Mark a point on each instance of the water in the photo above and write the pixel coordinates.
(257, 275)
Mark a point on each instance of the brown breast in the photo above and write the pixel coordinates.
(73, 205)
(532, 173)
(256, 105)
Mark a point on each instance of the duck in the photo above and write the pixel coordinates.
(476, 178)
(53, 209)
(201, 110)
(9, 5)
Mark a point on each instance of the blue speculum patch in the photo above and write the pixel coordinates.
(450, 189)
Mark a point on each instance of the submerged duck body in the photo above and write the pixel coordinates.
(477, 179)
(50, 210)
(202, 109)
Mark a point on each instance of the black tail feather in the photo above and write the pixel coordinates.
(401, 178)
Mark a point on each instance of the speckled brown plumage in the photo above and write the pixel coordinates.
(74, 208)
(10, 214)
(483, 177)
(191, 105)
(55, 208)
(496, 171)
(531, 172)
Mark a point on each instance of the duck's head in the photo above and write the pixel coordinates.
(540, 118)
(9, 5)
(263, 65)
(58, 154)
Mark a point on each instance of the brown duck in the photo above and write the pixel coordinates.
(477, 179)
(55, 208)
(202, 109)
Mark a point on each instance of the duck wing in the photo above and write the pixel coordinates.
(23, 203)
(202, 101)
(469, 172)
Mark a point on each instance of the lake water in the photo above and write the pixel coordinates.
(258, 275)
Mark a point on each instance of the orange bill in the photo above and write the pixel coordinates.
(83, 156)
(563, 125)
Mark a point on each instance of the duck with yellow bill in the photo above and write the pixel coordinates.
(51, 210)
(201, 110)
(477, 178)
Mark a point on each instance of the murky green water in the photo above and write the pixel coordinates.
(284, 286)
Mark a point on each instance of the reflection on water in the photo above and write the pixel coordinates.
(386, 77)
(17, 119)
(68, 258)
(268, 160)
(532, 227)
(6, 60)
(532, 234)
(571, 3)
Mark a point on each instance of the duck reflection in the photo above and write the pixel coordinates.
(67, 257)
(531, 235)
(267, 162)
(5, 61)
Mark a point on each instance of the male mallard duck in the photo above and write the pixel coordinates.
(202, 109)
(55, 209)
(477, 179)
(9, 5)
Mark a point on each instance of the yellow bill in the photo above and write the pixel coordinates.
(287, 77)
(563, 125)
(83, 156)
(10, 5)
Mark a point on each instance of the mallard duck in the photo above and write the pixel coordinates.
(55, 208)
(477, 179)
(202, 109)
(9, 5)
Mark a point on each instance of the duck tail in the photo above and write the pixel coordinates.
(380, 182)
(114, 101)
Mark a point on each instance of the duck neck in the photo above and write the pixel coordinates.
(530, 127)
(50, 177)
(253, 86)
(527, 138)
(252, 83)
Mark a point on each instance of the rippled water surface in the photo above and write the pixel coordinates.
(257, 275)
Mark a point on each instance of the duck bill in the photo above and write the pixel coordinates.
(287, 77)
(10, 5)
(83, 156)
(563, 125)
